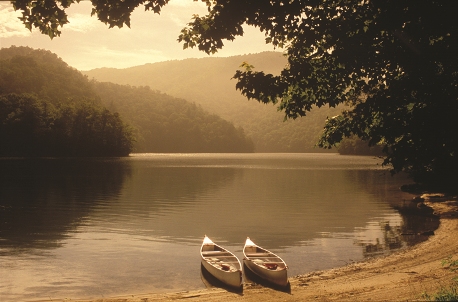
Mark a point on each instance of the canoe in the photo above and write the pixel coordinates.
(221, 263)
(265, 264)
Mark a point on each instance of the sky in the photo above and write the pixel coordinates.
(86, 43)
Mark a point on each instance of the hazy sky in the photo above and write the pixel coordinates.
(87, 43)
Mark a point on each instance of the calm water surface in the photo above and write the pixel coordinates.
(94, 228)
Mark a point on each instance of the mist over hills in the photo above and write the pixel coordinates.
(166, 124)
(208, 82)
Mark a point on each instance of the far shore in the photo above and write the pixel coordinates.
(402, 276)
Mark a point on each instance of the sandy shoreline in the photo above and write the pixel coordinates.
(401, 276)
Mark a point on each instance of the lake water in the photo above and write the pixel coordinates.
(94, 228)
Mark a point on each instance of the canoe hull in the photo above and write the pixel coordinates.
(276, 277)
(221, 263)
(265, 264)
(231, 279)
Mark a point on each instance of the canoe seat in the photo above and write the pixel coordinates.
(276, 262)
(215, 253)
(259, 255)
(236, 262)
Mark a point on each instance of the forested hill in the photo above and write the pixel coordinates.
(208, 82)
(167, 124)
(48, 108)
(43, 73)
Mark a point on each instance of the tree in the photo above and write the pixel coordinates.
(393, 62)
(33, 127)
(49, 15)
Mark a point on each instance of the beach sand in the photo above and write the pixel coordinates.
(401, 276)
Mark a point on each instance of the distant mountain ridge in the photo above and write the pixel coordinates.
(208, 82)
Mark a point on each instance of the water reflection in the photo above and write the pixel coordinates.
(269, 197)
(231, 203)
(386, 235)
(148, 213)
(43, 200)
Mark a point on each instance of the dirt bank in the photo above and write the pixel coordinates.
(401, 276)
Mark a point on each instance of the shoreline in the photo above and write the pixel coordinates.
(400, 276)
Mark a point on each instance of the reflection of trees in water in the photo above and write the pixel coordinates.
(41, 200)
(390, 240)
(416, 226)
(416, 221)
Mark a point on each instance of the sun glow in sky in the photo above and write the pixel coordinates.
(86, 43)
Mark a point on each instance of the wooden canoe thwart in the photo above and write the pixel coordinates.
(221, 263)
(265, 264)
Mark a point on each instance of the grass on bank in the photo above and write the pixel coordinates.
(446, 293)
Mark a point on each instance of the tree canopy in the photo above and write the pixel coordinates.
(393, 61)
(33, 127)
